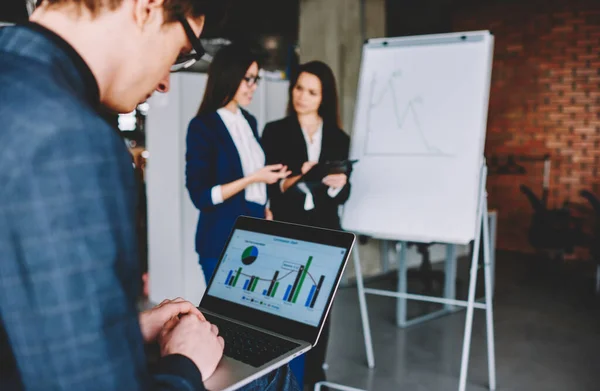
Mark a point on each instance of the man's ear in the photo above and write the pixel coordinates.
(147, 11)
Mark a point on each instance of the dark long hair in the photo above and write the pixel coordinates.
(329, 108)
(225, 73)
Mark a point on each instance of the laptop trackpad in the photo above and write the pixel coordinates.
(228, 372)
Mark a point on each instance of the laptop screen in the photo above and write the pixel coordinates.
(282, 276)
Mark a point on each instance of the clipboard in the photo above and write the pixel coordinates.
(319, 171)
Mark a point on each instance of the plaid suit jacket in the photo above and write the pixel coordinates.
(68, 251)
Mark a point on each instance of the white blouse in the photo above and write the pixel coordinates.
(314, 153)
(251, 154)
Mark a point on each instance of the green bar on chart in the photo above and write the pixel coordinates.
(302, 280)
(275, 289)
(237, 275)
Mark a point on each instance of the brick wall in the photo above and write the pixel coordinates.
(545, 98)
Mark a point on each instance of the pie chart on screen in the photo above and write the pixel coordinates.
(249, 255)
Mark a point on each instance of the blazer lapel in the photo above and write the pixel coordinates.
(297, 138)
(327, 143)
(229, 145)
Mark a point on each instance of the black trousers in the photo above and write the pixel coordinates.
(315, 358)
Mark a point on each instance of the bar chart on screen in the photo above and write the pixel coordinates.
(296, 275)
(286, 277)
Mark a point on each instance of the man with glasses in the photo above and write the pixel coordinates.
(68, 261)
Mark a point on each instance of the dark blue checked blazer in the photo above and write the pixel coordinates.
(68, 258)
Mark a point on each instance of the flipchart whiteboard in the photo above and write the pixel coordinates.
(419, 135)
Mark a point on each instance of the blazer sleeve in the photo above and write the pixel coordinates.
(269, 144)
(68, 299)
(342, 151)
(272, 150)
(344, 194)
(200, 158)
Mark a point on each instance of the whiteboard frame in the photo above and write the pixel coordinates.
(429, 39)
(482, 226)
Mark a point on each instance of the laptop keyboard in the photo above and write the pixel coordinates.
(250, 346)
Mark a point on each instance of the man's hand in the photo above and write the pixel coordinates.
(153, 320)
(194, 338)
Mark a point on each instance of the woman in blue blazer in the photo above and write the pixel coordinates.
(225, 165)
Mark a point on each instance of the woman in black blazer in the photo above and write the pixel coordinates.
(310, 133)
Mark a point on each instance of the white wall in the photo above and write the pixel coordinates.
(270, 102)
(173, 263)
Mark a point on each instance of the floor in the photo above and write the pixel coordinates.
(547, 327)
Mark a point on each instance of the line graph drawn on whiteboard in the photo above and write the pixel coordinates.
(394, 122)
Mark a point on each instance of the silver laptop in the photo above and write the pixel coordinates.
(270, 295)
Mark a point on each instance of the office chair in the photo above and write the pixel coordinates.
(425, 273)
(594, 242)
(551, 230)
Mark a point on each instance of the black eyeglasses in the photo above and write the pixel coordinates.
(251, 80)
(187, 60)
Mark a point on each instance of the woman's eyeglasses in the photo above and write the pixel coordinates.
(187, 60)
(251, 80)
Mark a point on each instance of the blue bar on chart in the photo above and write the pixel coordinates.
(310, 296)
(246, 285)
(265, 292)
(228, 279)
(287, 293)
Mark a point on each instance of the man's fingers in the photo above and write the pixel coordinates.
(214, 329)
(169, 325)
(167, 301)
(221, 342)
(185, 307)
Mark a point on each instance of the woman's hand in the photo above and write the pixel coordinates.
(289, 182)
(270, 174)
(268, 214)
(335, 180)
(307, 166)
